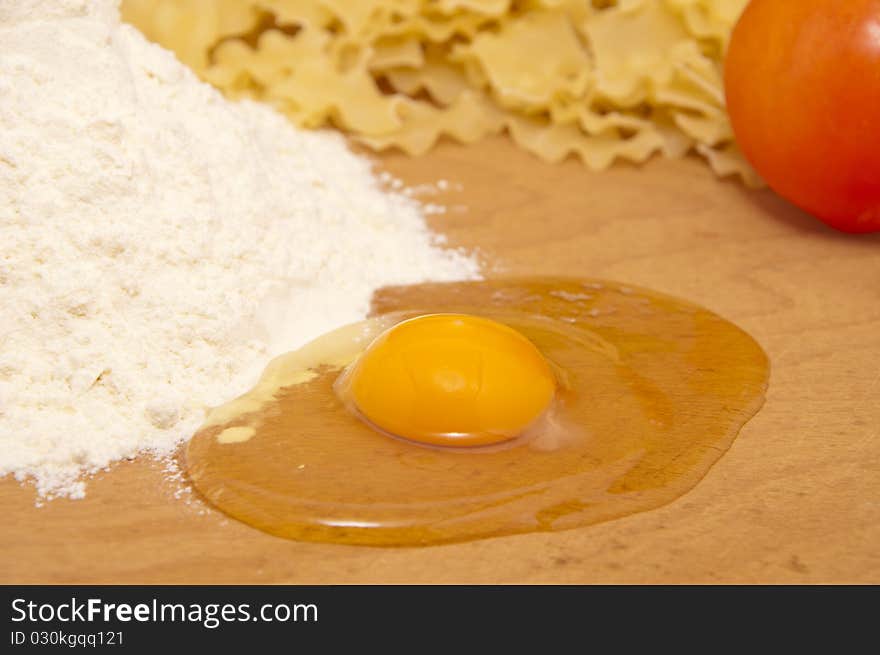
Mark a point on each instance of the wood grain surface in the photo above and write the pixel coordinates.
(795, 500)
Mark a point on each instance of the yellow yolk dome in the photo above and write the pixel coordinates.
(451, 380)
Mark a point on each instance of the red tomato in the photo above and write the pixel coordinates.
(802, 79)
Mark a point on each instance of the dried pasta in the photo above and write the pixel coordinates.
(598, 80)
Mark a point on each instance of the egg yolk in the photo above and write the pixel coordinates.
(451, 380)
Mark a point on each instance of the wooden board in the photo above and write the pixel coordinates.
(796, 499)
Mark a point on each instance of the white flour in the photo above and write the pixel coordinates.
(158, 243)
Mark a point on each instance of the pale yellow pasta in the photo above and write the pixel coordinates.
(626, 75)
(305, 13)
(441, 79)
(676, 143)
(729, 161)
(489, 7)
(710, 131)
(555, 142)
(710, 19)
(702, 73)
(597, 80)
(521, 80)
(190, 27)
(358, 17)
(595, 123)
(315, 89)
(578, 11)
(682, 91)
(470, 118)
(405, 52)
(442, 28)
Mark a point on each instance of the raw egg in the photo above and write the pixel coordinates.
(450, 380)
(467, 410)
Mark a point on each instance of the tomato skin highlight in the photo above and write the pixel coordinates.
(802, 79)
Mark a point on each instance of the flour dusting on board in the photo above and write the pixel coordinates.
(158, 244)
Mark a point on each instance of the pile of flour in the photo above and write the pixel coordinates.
(158, 243)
